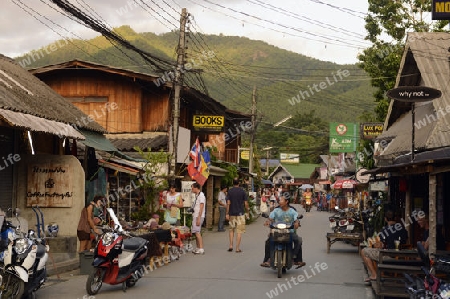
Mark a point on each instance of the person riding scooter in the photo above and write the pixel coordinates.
(285, 213)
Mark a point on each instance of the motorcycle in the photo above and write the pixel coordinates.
(281, 257)
(430, 286)
(308, 204)
(24, 259)
(119, 257)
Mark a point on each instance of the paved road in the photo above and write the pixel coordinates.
(221, 274)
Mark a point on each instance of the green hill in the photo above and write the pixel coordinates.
(232, 68)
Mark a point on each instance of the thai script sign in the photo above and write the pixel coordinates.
(49, 185)
(343, 137)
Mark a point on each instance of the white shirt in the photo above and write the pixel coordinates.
(222, 199)
(200, 199)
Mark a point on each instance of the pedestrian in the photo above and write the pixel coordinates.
(173, 203)
(222, 200)
(389, 234)
(236, 201)
(198, 216)
(86, 224)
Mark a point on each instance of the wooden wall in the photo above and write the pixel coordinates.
(113, 102)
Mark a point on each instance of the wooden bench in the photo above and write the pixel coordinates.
(390, 272)
(333, 237)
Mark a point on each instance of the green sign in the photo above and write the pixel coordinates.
(343, 137)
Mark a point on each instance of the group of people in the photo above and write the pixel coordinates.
(233, 207)
(394, 232)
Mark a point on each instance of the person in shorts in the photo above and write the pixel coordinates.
(390, 233)
(236, 201)
(198, 217)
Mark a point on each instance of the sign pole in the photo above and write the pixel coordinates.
(413, 119)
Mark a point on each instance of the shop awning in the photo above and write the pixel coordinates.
(97, 141)
(38, 124)
(118, 167)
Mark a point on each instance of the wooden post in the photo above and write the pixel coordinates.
(432, 213)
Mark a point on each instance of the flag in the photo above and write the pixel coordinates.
(198, 169)
(195, 153)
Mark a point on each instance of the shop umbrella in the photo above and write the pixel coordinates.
(344, 184)
(307, 186)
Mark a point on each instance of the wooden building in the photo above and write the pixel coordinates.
(136, 110)
(422, 183)
(35, 170)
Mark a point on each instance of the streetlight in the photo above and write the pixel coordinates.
(282, 121)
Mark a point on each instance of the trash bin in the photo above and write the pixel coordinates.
(86, 259)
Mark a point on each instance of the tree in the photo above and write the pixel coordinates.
(391, 19)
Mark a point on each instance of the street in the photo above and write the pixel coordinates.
(222, 274)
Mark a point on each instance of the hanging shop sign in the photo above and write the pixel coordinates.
(213, 123)
(343, 137)
(440, 10)
(371, 130)
(414, 94)
(289, 158)
(49, 185)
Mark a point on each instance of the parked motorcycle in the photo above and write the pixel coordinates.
(24, 260)
(429, 286)
(281, 258)
(118, 258)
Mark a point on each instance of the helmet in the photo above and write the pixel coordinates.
(52, 229)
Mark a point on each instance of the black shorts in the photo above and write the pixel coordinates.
(83, 236)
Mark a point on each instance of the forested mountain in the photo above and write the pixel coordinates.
(314, 92)
(286, 82)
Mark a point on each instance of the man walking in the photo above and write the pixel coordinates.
(222, 200)
(198, 217)
(236, 201)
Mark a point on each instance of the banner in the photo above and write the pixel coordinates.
(343, 137)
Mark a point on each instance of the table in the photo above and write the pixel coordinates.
(333, 237)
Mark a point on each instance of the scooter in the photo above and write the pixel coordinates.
(281, 256)
(308, 205)
(118, 258)
(25, 261)
(429, 286)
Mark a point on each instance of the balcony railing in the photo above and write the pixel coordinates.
(230, 155)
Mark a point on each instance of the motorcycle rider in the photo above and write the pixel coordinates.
(287, 214)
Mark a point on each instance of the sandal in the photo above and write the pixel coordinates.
(238, 250)
(265, 265)
(368, 279)
(230, 249)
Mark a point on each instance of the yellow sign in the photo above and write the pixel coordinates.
(208, 121)
(245, 155)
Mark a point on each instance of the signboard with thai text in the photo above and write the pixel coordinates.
(371, 130)
(343, 137)
(49, 185)
(440, 10)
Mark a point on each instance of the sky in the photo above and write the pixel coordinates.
(327, 30)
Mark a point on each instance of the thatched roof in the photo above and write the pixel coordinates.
(424, 63)
(21, 92)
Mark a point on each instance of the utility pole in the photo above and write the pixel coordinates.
(252, 136)
(177, 83)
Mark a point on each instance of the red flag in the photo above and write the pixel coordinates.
(195, 154)
(196, 175)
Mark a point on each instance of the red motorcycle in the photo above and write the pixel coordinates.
(118, 258)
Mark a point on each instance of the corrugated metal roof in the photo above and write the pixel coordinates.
(424, 63)
(22, 92)
(143, 141)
